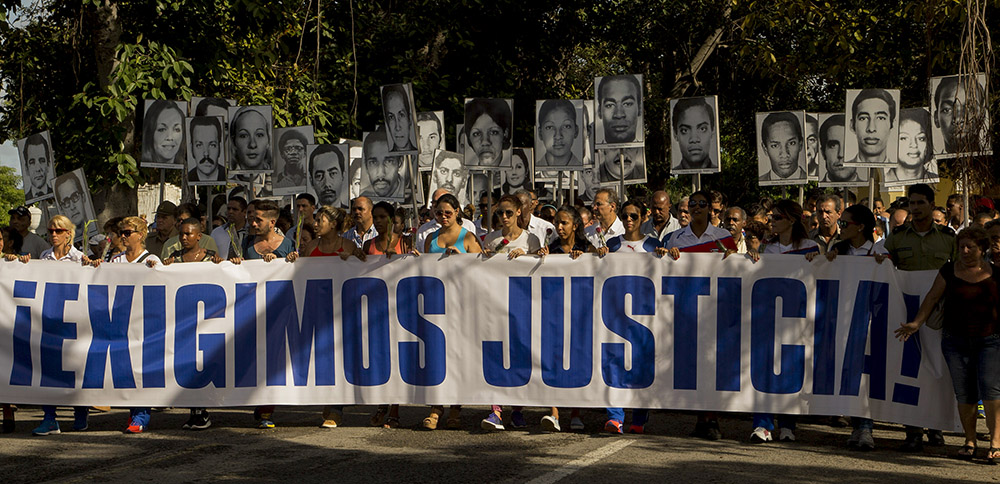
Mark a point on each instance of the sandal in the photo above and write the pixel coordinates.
(967, 452)
(454, 419)
(431, 422)
(391, 423)
(993, 456)
(378, 416)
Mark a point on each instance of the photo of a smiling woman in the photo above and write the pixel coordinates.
(163, 138)
(250, 139)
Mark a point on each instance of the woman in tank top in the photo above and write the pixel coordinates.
(328, 241)
(387, 242)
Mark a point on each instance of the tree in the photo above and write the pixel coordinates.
(10, 196)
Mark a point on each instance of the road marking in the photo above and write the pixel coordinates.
(582, 462)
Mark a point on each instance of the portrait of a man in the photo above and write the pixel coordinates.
(489, 126)
(73, 201)
(250, 139)
(328, 174)
(559, 140)
(450, 173)
(781, 153)
(612, 162)
(812, 146)
(212, 106)
(872, 131)
(832, 170)
(694, 135)
(430, 133)
(588, 182)
(384, 177)
(290, 159)
(37, 172)
(961, 120)
(619, 110)
(398, 109)
(206, 162)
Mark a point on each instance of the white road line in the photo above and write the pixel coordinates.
(583, 461)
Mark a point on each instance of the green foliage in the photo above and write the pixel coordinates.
(10, 195)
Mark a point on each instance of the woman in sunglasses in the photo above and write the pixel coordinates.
(632, 215)
(61, 233)
(789, 237)
(511, 239)
(451, 238)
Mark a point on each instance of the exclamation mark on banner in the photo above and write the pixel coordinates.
(902, 393)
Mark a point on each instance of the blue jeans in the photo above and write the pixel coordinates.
(139, 415)
(974, 364)
(862, 423)
(639, 415)
(766, 420)
(49, 412)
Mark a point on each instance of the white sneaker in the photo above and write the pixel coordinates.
(786, 435)
(576, 424)
(550, 424)
(759, 435)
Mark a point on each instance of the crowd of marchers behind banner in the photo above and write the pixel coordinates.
(912, 233)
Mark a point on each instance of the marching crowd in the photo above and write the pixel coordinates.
(912, 233)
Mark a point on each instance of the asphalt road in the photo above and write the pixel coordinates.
(299, 451)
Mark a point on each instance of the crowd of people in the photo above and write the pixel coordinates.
(912, 233)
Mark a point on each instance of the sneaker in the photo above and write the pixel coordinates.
(636, 429)
(712, 431)
(786, 435)
(760, 435)
(935, 438)
(981, 411)
(913, 443)
(865, 441)
(576, 424)
(613, 427)
(47, 427)
(517, 421)
(264, 421)
(551, 424)
(492, 422)
(198, 421)
(135, 427)
(80, 423)
(331, 418)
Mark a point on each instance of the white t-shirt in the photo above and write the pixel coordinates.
(868, 248)
(542, 229)
(527, 242)
(121, 258)
(805, 246)
(74, 255)
(616, 229)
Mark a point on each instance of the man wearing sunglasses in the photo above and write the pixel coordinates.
(828, 210)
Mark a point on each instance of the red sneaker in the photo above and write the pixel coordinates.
(613, 426)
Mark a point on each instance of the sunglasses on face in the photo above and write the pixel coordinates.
(699, 203)
(632, 216)
(844, 223)
(506, 213)
(57, 231)
(127, 233)
(444, 213)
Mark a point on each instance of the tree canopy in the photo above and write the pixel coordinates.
(80, 69)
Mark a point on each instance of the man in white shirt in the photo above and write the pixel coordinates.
(734, 220)
(660, 222)
(429, 228)
(236, 211)
(20, 220)
(606, 212)
(535, 225)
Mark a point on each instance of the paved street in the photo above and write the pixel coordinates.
(299, 451)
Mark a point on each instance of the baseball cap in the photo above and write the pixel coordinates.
(167, 208)
(20, 211)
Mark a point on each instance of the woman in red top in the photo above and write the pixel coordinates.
(387, 242)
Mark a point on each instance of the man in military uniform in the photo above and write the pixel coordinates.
(916, 246)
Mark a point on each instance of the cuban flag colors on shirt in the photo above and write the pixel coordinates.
(619, 244)
(715, 239)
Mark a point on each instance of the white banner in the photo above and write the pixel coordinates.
(630, 330)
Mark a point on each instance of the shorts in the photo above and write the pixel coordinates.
(974, 364)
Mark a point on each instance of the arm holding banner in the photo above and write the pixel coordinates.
(933, 296)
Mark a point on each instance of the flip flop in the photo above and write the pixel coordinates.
(993, 456)
(391, 423)
(967, 452)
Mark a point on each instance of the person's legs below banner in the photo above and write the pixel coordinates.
(138, 420)
(861, 437)
(616, 418)
(763, 426)
(262, 415)
(49, 425)
(80, 415)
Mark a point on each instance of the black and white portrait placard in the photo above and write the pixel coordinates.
(385, 175)
(163, 137)
(449, 172)
(73, 201)
(781, 151)
(813, 157)
(872, 127)
(37, 171)
(489, 128)
(290, 159)
(211, 106)
(961, 121)
(612, 161)
(328, 174)
(430, 135)
(832, 170)
(559, 134)
(915, 155)
(587, 183)
(619, 111)
(398, 109)
(519, 175)
(250, 131)
(694, 135)
(206, 157)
